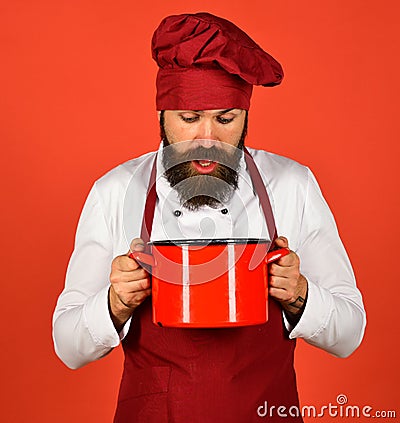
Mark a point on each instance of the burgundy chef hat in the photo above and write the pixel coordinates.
(206, 62)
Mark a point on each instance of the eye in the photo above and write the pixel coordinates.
(223, 120)
(189, 119)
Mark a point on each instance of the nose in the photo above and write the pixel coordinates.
(206, 134)
(205, 142)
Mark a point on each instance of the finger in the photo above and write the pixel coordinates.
(136, 299)
(131, 300)
(137, 286)
(283, 288)
(281, 242)
(279, 294)
(124, 264)
(279, 282)
(132, 287)
(136, 245)
(290, 260)
(118, 276)
(280, 271)
(142, 295)
(284, 271)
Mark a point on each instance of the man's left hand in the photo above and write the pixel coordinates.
(286, 283)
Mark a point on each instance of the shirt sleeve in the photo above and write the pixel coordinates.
(334, 316)
(82, 327)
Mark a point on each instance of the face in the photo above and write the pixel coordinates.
(202, 153)
(224, 126)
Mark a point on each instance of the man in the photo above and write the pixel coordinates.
(205, 187)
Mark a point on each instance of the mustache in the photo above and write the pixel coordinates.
(228, 156)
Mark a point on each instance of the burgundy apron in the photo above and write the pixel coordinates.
(236, 375)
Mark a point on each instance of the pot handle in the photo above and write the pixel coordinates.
(275, 255)
(142, 258)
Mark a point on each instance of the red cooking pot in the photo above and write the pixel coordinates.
(209, 283)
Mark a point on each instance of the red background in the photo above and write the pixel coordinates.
(77, 98)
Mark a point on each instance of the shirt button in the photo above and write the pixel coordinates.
(177, 213)
(224, 211)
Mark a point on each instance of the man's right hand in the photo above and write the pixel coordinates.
(130, 286)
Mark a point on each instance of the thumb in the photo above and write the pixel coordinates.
(136, 245)
(281, 242)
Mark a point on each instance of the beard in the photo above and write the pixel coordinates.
(195, 189)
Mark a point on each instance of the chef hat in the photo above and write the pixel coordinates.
(206, 62)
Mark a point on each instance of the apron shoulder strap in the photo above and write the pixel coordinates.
(150, 206)
(259, 188)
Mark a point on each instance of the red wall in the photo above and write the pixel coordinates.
(77, 98)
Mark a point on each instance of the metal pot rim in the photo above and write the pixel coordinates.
(203, 242)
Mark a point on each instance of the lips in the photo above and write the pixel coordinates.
(204, 166)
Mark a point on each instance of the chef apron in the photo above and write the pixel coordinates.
(211, 375)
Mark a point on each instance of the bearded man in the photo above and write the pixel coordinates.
(203, 183)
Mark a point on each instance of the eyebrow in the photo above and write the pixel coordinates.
(222, 112)
(225, 111)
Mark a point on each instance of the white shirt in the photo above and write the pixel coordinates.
(334, 316)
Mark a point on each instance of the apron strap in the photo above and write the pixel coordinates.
(258, 187)
(149, 208)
